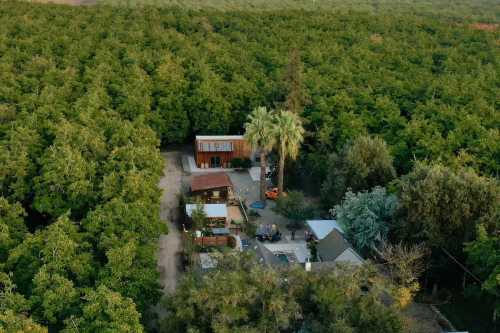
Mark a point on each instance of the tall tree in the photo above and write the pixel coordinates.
(260, 133)
(239, 296)
(105, 311)
(243, 296)
(484, 256)
(13, 309)
(361, 165)
(289, 134)
(367, 217)
(12, 226)
(443, 206)
(294, 207)
(404, 265)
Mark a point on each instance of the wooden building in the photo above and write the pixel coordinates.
(214, 187)
(217, 151)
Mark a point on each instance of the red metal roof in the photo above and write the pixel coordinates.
(210, 181)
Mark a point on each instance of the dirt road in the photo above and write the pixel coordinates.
(170, 244)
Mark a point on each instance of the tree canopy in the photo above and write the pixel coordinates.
(289, 136)
(443, 206)
(367, 217)
(484, 255)
(243, 296)
(361, 165)
(88, 95)
(261, 135)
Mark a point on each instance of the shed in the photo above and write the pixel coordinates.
(210, 181)
(335, 248)
(215, 187)
(322, 228)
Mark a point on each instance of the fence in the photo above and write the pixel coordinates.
(206, 241)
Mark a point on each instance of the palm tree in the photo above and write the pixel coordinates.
(260, 133)
(290, 134)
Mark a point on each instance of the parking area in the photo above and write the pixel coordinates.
(248, 190)
(246, 186)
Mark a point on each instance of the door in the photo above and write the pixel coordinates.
(215, 162)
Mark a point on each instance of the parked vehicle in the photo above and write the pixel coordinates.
(268, 232)
(245, 244)
(273, 194)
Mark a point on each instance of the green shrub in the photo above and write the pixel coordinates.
(241, 163)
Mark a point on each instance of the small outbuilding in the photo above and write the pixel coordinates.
(213, 187)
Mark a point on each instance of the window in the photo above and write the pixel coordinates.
(215, 146)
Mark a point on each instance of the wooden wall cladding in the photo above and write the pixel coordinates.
(240, 148)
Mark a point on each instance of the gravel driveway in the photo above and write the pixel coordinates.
(249, 190)
(170, 244)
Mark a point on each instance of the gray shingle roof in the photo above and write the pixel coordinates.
(332, 246)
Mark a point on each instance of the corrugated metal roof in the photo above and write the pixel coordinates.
(322, 228)
(210, 181)
(219, 137)
(212, 210)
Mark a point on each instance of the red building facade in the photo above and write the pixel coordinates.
(217, 151)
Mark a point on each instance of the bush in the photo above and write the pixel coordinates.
(241, 163)
(294, 207)
(253, 213)
(361, 165)
(250, 229)
(246, 163)
(367, 217)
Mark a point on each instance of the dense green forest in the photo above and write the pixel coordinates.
(429, 88)
(459, 9)
(89, 94)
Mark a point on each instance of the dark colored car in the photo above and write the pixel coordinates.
(245, 244)
(268, 232)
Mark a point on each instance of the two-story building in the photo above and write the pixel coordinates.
(217, 151)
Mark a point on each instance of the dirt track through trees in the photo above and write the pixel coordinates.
(170, 244)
